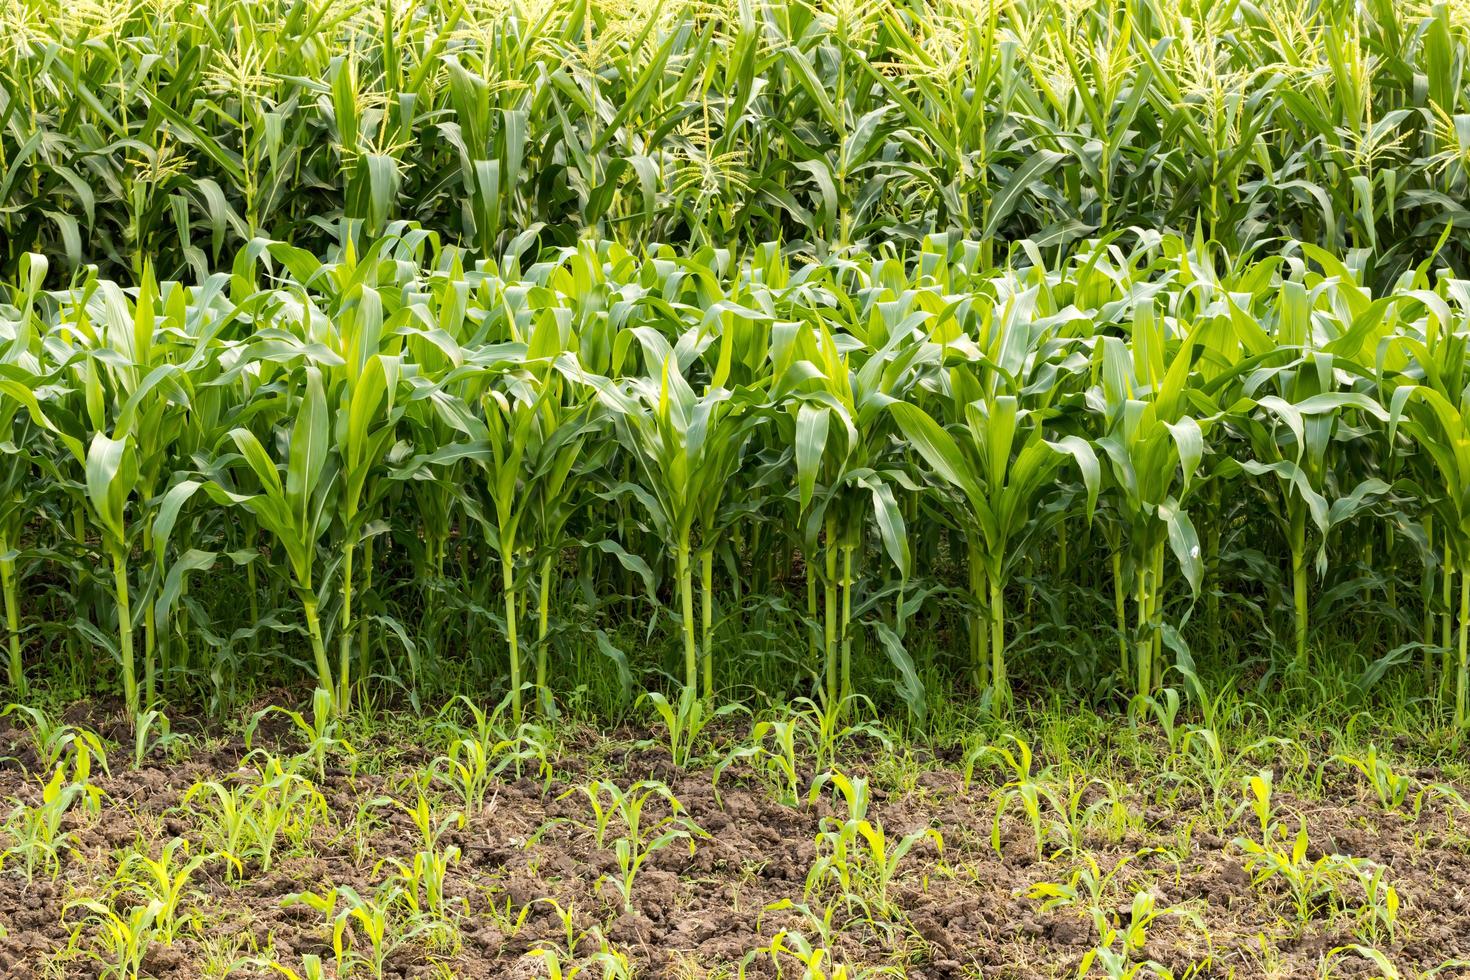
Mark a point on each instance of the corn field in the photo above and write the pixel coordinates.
(396, 463)
(755, 349)
(173, 133)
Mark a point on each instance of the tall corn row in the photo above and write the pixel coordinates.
(393, 460)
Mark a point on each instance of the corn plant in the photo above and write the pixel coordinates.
(1279, 857)
(1001, 465)
(1390, 787)
(526, 447)
(243, 821)
(1154, 446)
(686, 447)
(122, 940)
(161, 883)
(838, 436)
(294, 510)
(56, 742)
(814, 959)
(17, 380)
(1122, 938)
(855, 853)
(1301, 412)
(320, 731)
(637, 838)
(1437, 422)
(685, 721)
(36, 834)
(343, 439)
(152, 733)
(1005, 123)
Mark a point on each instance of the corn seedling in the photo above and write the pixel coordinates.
(311, 967)
(605, 964)
(120, 941)
(421, 880)
(772, 752)
(1088, 886)
(244, 820)
(151, 734)
(321, 731)
(619, 822)
(1022, 787)
(161, 882)
(36, 838)
(811, 961)
(1122, 938)
(685, 721)
(1379, 914)
(1391, 788)
(855, 854)
(571, 958)
(1309, 883)
(53, 740)
(488, 750)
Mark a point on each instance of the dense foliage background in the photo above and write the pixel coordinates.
(175, 132)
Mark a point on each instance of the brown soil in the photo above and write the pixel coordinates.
(962, 913)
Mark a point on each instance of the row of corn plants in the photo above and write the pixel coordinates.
(356, 468)
(173, 132)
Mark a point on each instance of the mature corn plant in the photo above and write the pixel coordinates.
(171, 132)
(18, 381)
(992, 448)
(1439, 425)
(686, 447)
(294, 510)
(1433, 402)
(1300, 420)
(840, 438)
(360, 382)
(1153, 442)
(133, 383)
(525, 441)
